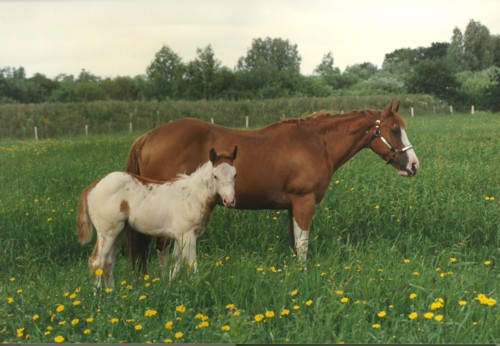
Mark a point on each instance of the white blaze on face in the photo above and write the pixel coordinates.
(225, 175)
(413, 163)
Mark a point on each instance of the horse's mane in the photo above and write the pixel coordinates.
(327, 114)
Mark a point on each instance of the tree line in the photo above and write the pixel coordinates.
(462, 72)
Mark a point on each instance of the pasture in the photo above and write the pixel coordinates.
(391, 259)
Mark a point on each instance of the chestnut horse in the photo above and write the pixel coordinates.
(286, 165)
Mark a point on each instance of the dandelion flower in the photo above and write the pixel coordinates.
(483, 299)
(169, 325)
(138, 327)
(438, 318)
(225, 328)
(142, 297)
(150, 313)
(10, 300)
(413, 315)
(296, 307)
(429, 315)
(114, 320)
(258, 317)
(294, 293)
(59, 308)
(180, 308)
(344, 300)
(487, 262)
(86, 331)
(406, 260)
(98, 272)
(462, 302)
(309, 302)
(36, 317)
(382, 314)
(77, 302)
(108, 290)
(376, 326)
(285, 312)
(89, 320)
(453, 260)
(58, 339)
(413, 296)
(75, 321)
(230, 306)
(179, 335)
(269, 314)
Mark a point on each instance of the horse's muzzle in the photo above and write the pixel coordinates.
(229, 202)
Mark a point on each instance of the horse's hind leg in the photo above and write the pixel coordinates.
(110, 263)
(162, 249)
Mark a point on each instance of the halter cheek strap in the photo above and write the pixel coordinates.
(396, 152)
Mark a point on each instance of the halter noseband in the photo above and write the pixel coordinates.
(395, 152)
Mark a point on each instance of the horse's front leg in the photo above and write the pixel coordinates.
(189, 251)
(177, 260)
(301, 214)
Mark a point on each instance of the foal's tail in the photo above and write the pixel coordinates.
(83, 222)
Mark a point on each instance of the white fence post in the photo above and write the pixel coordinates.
(212, 120)
(472, 109)
(246, 121)
(130, 127)
(451, 109)
(412, 112)
(86, 130)
(36, 133)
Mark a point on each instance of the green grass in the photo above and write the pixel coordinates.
(376, 240)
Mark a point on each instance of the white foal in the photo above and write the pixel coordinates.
(179, 209)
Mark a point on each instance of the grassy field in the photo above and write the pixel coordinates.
(391, 259)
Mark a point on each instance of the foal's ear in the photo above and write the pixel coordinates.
(235, 152)
(213, 155)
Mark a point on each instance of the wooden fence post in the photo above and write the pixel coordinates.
(130, 127)
(36, 133)
(86, 130)
(451, 109)
(246, 122)
(472, 110)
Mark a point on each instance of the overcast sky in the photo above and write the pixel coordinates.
(120, 37)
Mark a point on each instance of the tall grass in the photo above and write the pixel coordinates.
(391, 259)
(104, 117)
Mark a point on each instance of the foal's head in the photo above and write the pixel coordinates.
(391, 142)
(224, 175)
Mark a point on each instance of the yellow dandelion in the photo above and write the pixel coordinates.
(462, 302)
(285, 312)
(59, 308)
(225, 328)
(344, 300)
(202, 324)
(10, 300)
(258, 317)
(150, 313)
(169, 325)
(72, 296)
(439, 318)
(75, 321)
(138, 327)
(167, 341)
(413, 296)
(19, 291)
(180, 308)
(98, 272)
(429, 315)
(294, 293)
(108, 290)
(487, 262)
(77, 302)
(453, 260)
(35, 317)
(406, 260)
(230, 306)
(376, 326)
(339, 292)
(89, 320)
(20, 332)
(269, 314)
(179, 335)
(296, 307)
(146, 277)
(86, 331)
(382, 314)
(142, 297)
(114, 320)
(413, 315)
(58, 339)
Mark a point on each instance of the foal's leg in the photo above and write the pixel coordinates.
(162, 249)
(177, 260)
(302, 213)
(189, 251)
(110, 263)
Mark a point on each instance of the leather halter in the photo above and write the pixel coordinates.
(395, 152)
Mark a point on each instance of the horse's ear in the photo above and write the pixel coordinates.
(213, 155)
(235, 152)
(396, 108)
(388, 110)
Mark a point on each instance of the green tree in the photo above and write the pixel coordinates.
(165, 74)
(455, 53)
(478, 46)
(200, 76)
(363, 71)
(435, 77)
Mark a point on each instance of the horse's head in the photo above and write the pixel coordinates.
(390, 141)
(224, 175)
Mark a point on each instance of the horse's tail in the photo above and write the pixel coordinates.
(83, 221)
(136, 244)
